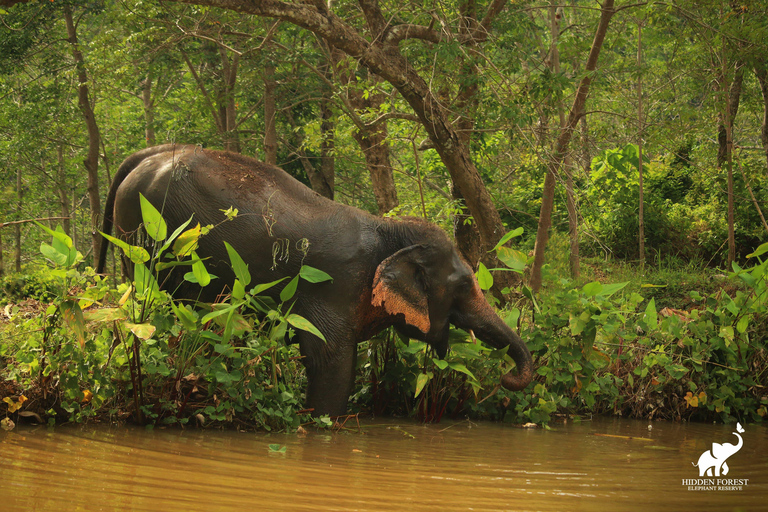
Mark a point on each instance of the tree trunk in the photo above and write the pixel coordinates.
(372, 138)
(641, 198)
(270, 110)
(731, 93)
(731, 109)
(17, 227)
(327, 134)
(227, 100)
(761, 71)
(94, 139)
(62, 190)
(149, 111)
(561, 145)
(570, 200)
(375, 147)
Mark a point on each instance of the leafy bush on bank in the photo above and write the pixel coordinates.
(598, 348)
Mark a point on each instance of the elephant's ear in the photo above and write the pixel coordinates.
(399, 287)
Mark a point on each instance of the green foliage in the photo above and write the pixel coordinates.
(597, 348)
(160, 360)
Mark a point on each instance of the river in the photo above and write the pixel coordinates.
(598, 465)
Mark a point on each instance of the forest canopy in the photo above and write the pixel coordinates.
(636, 128)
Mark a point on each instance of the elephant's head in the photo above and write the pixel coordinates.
(433, 287)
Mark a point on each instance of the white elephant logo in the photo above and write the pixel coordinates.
(712, 462)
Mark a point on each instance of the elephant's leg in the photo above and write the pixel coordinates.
(330, 374)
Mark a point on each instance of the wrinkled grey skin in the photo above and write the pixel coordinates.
(401, 273)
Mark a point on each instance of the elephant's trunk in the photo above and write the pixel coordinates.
(479, 316)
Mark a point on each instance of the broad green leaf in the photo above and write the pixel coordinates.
(650, 316)
(462, 369)
(261, 288)
(176, 232)
(73, 317)
(154, 224)
(759, 251)
(104, 315)
(135, 253)
(484, 278)
(238, 290)
(742, 324)
(238, 265)
(421, 381)
(186, 316)
(142, 331)
(676, 371)
(52, 254)
(512, 318)
(514, 259)
(610, 289)
(186, 242)
(58, 235)
(302, 323)
(290, 290)
(440, 363)
(217, 312)
(592, 289)
(200, 272)
(313, 275)
(509, 236)
(144, 280)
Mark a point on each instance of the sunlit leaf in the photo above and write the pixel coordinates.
(73, 317)
(509, 236)
(261, 288)
(104, 314)
(484, 278)
(592, 289)
(313, 275)
(650, 316)
(290, 289)
(200, 272)
(238, 265)
(302, 323)
(762, 249)
(514, 259)
(135, 253)
(421, 381)
(154, 224)
(186, 242)
(142, 331)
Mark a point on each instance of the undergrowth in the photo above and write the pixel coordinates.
(654, 345)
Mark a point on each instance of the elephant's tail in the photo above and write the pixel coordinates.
(128, 165)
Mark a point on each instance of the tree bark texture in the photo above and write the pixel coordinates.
(761, 72)
(61, 188)
(17, 226)
(372, 138)
(641, 192)
(149, 110)
(270, 111)
(561, 145)
(94, 139)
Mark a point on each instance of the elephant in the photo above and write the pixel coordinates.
(403, 273)
(712, 462)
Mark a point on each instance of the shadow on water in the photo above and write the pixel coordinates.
(605, 464)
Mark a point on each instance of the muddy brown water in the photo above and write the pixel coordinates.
(598, 465)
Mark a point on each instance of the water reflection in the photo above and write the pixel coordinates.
(597, 465)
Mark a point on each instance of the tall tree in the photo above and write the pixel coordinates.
(85, 101)
(561, 145)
